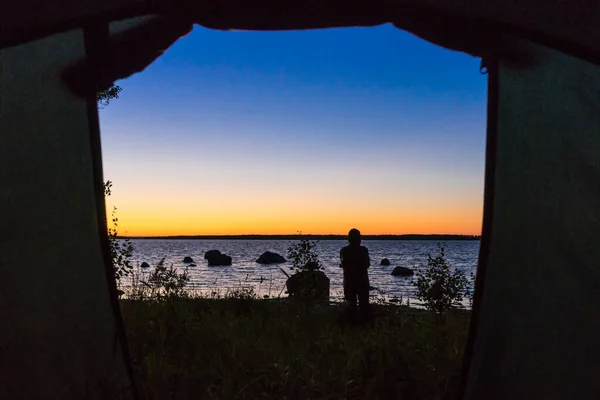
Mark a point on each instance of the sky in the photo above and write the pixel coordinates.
(316, 131)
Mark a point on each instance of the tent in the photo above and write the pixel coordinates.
(537, 302)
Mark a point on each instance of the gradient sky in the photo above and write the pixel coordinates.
(314, 131)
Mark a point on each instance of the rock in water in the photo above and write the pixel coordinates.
(188, 260)
(211, 253)
(385, 261)
(221, 259)
(270, 258)
(145, 265)
(313, 284)
(402, 271)
(311, 266)
(215, 257)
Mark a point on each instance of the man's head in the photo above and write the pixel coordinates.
(354, 236)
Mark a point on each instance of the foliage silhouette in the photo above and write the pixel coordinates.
(166, 283)
(121, 250)
(439, 288)
(308, 282)
(104, 97)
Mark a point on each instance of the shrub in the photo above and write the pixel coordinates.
(165, 282)
(121, 250)
(438, 287)
(302, 254)
(308, 282)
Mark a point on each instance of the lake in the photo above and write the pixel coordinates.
(270, 280)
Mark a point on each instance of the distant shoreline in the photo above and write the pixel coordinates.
(310, 237)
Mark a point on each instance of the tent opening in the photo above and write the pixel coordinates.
(259, 137)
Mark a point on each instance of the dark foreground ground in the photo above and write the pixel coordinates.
(257, 349)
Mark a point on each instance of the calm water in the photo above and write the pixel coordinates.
(245, 272)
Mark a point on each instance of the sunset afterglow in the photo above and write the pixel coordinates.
(315, 131)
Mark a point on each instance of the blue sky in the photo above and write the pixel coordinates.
(230, 126)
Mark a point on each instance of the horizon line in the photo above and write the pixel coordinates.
(307, 235)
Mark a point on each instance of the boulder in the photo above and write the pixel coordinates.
(311, 266)
(211, 253)
(191, 265)
(402, 271)
(385, 261)
(215, 257)
(436, 290)
(145, 265)
(220, 259)
(312, 284)
(270, 258)
(188, 260)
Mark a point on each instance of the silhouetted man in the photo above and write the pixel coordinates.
(355, 262)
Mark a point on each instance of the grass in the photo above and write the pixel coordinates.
(260, 349)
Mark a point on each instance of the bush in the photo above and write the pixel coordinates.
(438, 287)
(302, 254)
(121, 251)
(165, 282)
(308, 283)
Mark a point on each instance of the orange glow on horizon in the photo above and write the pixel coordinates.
(140, 222)
(327, 200)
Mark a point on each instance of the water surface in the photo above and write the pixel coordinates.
(270, 280)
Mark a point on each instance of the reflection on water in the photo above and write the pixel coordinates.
(269, 280)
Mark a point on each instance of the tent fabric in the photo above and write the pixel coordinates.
(26, 20)
(536, 311)
(130, 50)
(537, 322)
(571, 25)
(128, 46)
(60, 332)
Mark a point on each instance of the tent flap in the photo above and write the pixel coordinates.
(59, 331)
(537, 321)
(572, 25)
